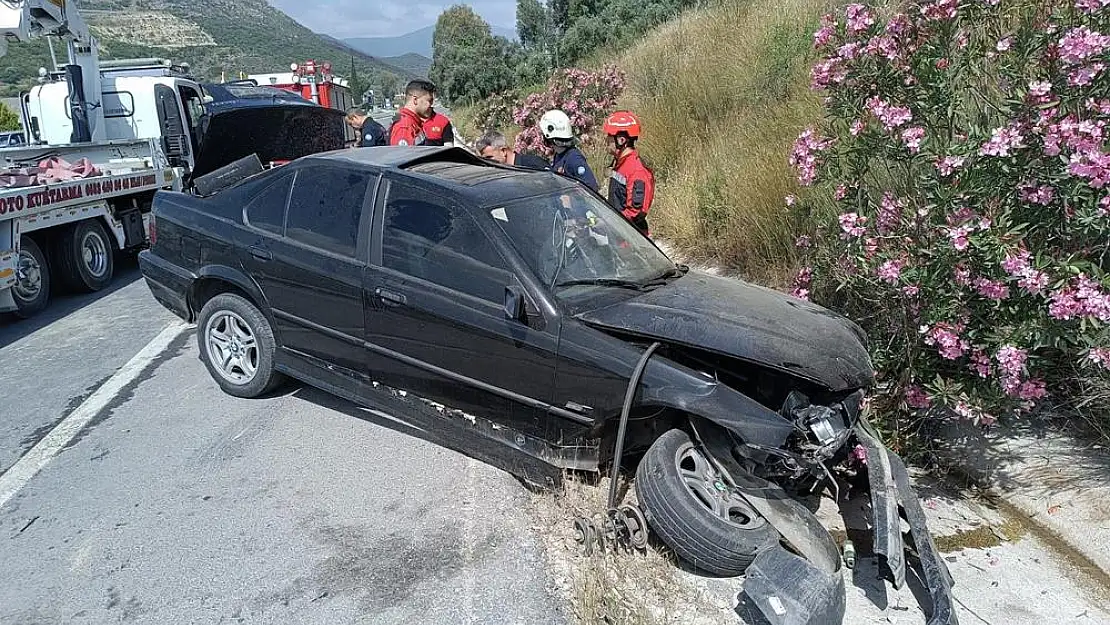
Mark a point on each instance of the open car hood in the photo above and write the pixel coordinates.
(277, 132)
(749, 322)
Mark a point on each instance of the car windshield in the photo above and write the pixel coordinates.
(572, 238)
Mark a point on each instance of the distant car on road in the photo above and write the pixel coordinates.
(12, 139)
(523, 298)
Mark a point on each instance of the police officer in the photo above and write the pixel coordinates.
(558, 134)
(632, 183)
(370, 132)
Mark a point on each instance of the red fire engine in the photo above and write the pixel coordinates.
(313, 82)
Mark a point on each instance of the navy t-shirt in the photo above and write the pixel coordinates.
(372, 134)
(572, 163)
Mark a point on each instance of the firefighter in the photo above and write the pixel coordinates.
(370, 132)
(438, 129)
(408, 129)
(492, 145)
(558, 134)
(632, 183)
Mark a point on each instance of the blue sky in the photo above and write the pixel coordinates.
(377, 18)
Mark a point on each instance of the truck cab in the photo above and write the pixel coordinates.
(141, 99)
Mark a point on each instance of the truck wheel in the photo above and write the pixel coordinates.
(692, 511)
(31, 290)
(85, 256)
(237, 346)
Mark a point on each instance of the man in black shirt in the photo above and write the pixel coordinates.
(370, 132)
(492, 145)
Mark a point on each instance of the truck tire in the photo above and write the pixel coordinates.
(693, 513)
(237, 346)
(32, 279)
(85, 256)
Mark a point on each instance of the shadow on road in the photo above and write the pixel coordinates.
(411, 416)
(61, 305)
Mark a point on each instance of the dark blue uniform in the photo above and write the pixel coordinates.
(372, 133)
(572, 163)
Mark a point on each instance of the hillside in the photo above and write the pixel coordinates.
(213, 36)
(416, 64)
(416, 42)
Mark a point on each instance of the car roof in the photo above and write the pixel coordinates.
(478, 180)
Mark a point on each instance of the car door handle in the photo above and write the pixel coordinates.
(261, 253)
(389, 297)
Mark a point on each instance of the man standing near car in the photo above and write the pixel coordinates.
(632, 183)
(495, 147)
(370, 132)
(558, 135)
(409, 127)
(438, 129)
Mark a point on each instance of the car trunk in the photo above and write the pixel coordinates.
(275, 133)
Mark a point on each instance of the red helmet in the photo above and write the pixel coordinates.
(623, 121)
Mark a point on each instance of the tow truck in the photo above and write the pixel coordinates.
(136, 127)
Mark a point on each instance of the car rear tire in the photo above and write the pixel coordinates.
(85, 257)
(31, 290)
(693, 512)
(237, 346)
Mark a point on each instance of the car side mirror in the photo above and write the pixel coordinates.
(515, 303)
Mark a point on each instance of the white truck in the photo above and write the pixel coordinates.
(141, 124)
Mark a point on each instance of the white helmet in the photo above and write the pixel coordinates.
(556, 125)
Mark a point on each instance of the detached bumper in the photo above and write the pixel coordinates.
(891, 491)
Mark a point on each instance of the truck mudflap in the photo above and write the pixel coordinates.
(890, 491)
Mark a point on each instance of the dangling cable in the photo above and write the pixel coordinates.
(629, 395)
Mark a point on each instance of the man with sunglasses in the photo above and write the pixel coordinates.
(493, 146)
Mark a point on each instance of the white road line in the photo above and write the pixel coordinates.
(34, 460)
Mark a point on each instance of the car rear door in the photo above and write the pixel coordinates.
(308, 255)
(436, 288)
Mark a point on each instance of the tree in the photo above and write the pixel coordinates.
(538, 41)
(9, 119)
(468, 62)
(358, 89)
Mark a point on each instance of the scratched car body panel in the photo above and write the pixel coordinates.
(523, 299)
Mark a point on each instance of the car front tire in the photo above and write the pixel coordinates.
(237, 346)
(689, 507)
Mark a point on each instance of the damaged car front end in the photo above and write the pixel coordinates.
(776, 432)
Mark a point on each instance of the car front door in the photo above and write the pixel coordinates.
(436, 290)
(308, 256)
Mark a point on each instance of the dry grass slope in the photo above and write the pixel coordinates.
(723, 92)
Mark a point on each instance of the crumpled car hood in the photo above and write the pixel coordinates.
(749, 322)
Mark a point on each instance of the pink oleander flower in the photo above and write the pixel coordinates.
(841, 192)
(891, 270)
(890, 213)
(857, 127)
(940, 10)
(958, 237)
(1100, 356)
(1004, 44)
(991, 289)
(961, 275)
(947, 340)
(803, 241)
(1104, 206)
(1002, 141)
(804, 155)
(1016, 262)
(1040, 89)
(827, 72)
(825, 34)
(981, 363)
(885, 46)
(1091, 165)
(853, 224)
(1032, 194)
(891, 116)
(1032, 389)
(912, 137)
(850, 51)
(791, 200)
(870, 247)
(1085, 75)
(1090, 6)
(911, 290)
(859, 18)
(1011, 360)
(1081, 43)
(949, 164)
(917, 398)
(859, 453)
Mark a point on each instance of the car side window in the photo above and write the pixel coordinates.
(426, 238)
(325, 207)
(267, 210)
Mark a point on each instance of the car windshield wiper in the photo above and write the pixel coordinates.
(615, 282)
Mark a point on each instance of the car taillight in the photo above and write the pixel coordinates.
(152, 230)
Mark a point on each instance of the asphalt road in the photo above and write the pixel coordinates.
(176, 503)
(179, 504)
